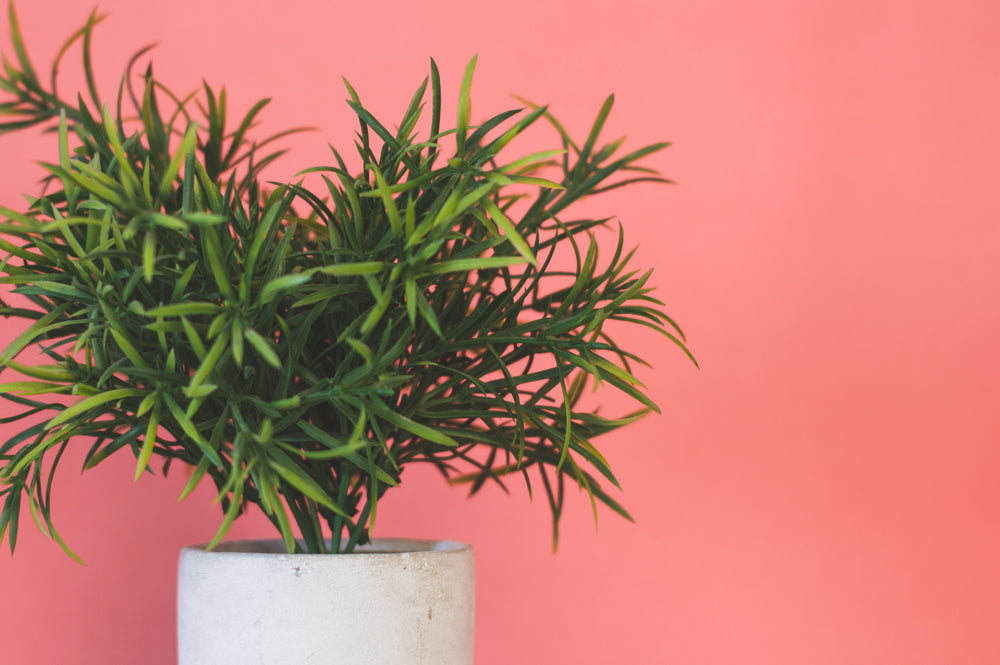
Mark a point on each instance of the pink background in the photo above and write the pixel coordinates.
(824, 490)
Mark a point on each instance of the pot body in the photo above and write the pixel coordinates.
(393, 602)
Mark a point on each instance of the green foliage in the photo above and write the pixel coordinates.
(300, 347)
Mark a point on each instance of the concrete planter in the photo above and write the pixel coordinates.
(394, 602)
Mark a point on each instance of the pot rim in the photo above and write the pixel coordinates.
(377, 548)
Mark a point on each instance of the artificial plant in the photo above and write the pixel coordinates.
(300, 345)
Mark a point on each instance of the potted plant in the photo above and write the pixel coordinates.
(298, 345)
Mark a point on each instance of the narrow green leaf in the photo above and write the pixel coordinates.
(64, 161)
(168, 221)
(236, 335)
(149, 256)
(361, 348)
(263, 346)
(33, 388)
(146, 405)
(530, 160)
(189, 428)
(128, 349)
(410, 286)
(291, 473)
(184, 309)
(42, 372)
(210, 360)
(413, 427)
(613, 369)
(30, 77)
(199, 392)
(337, 447)
(349, 269)
(182, 283)
(467, 265)
(268, 225)
(129, 178)
(216, 262)
(383, 297)
(400, 187)
(595, 131)
(464, 106)
(148, 441)
(429, 314)
(235, 507)
(193, 338)
(274, 506)
(395, 221)
(90, 403)
(510, 232)
(273, 288)
(90, 181)
(435, 108)
(34, 331)
(59, 541)
(534, 182)
(195, 479)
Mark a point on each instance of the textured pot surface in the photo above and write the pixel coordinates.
(393, 602)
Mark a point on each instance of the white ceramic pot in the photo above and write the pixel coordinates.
(393, 602)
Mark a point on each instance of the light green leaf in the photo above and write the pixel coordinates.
(531, 160)
(196, 476)
(34, 331)
(184, 309)
(395, 221)
(263, 346)
(465, 106)
(149, 256)
(216, 261)
(362, 349)
(90, 403)
(273, 288)
(466, 265)
(413, 427)
(193, 338)
(148, 442)
(210, 360)
(236, 335)
(167, 222)
(128, 349)
(33, 388)
(189, 428)
(297, 478)
(347, 269)
(183, 150)
(235, 507)
(43, 372)
(510, 232)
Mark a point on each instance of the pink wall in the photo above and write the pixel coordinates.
(823, 491)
